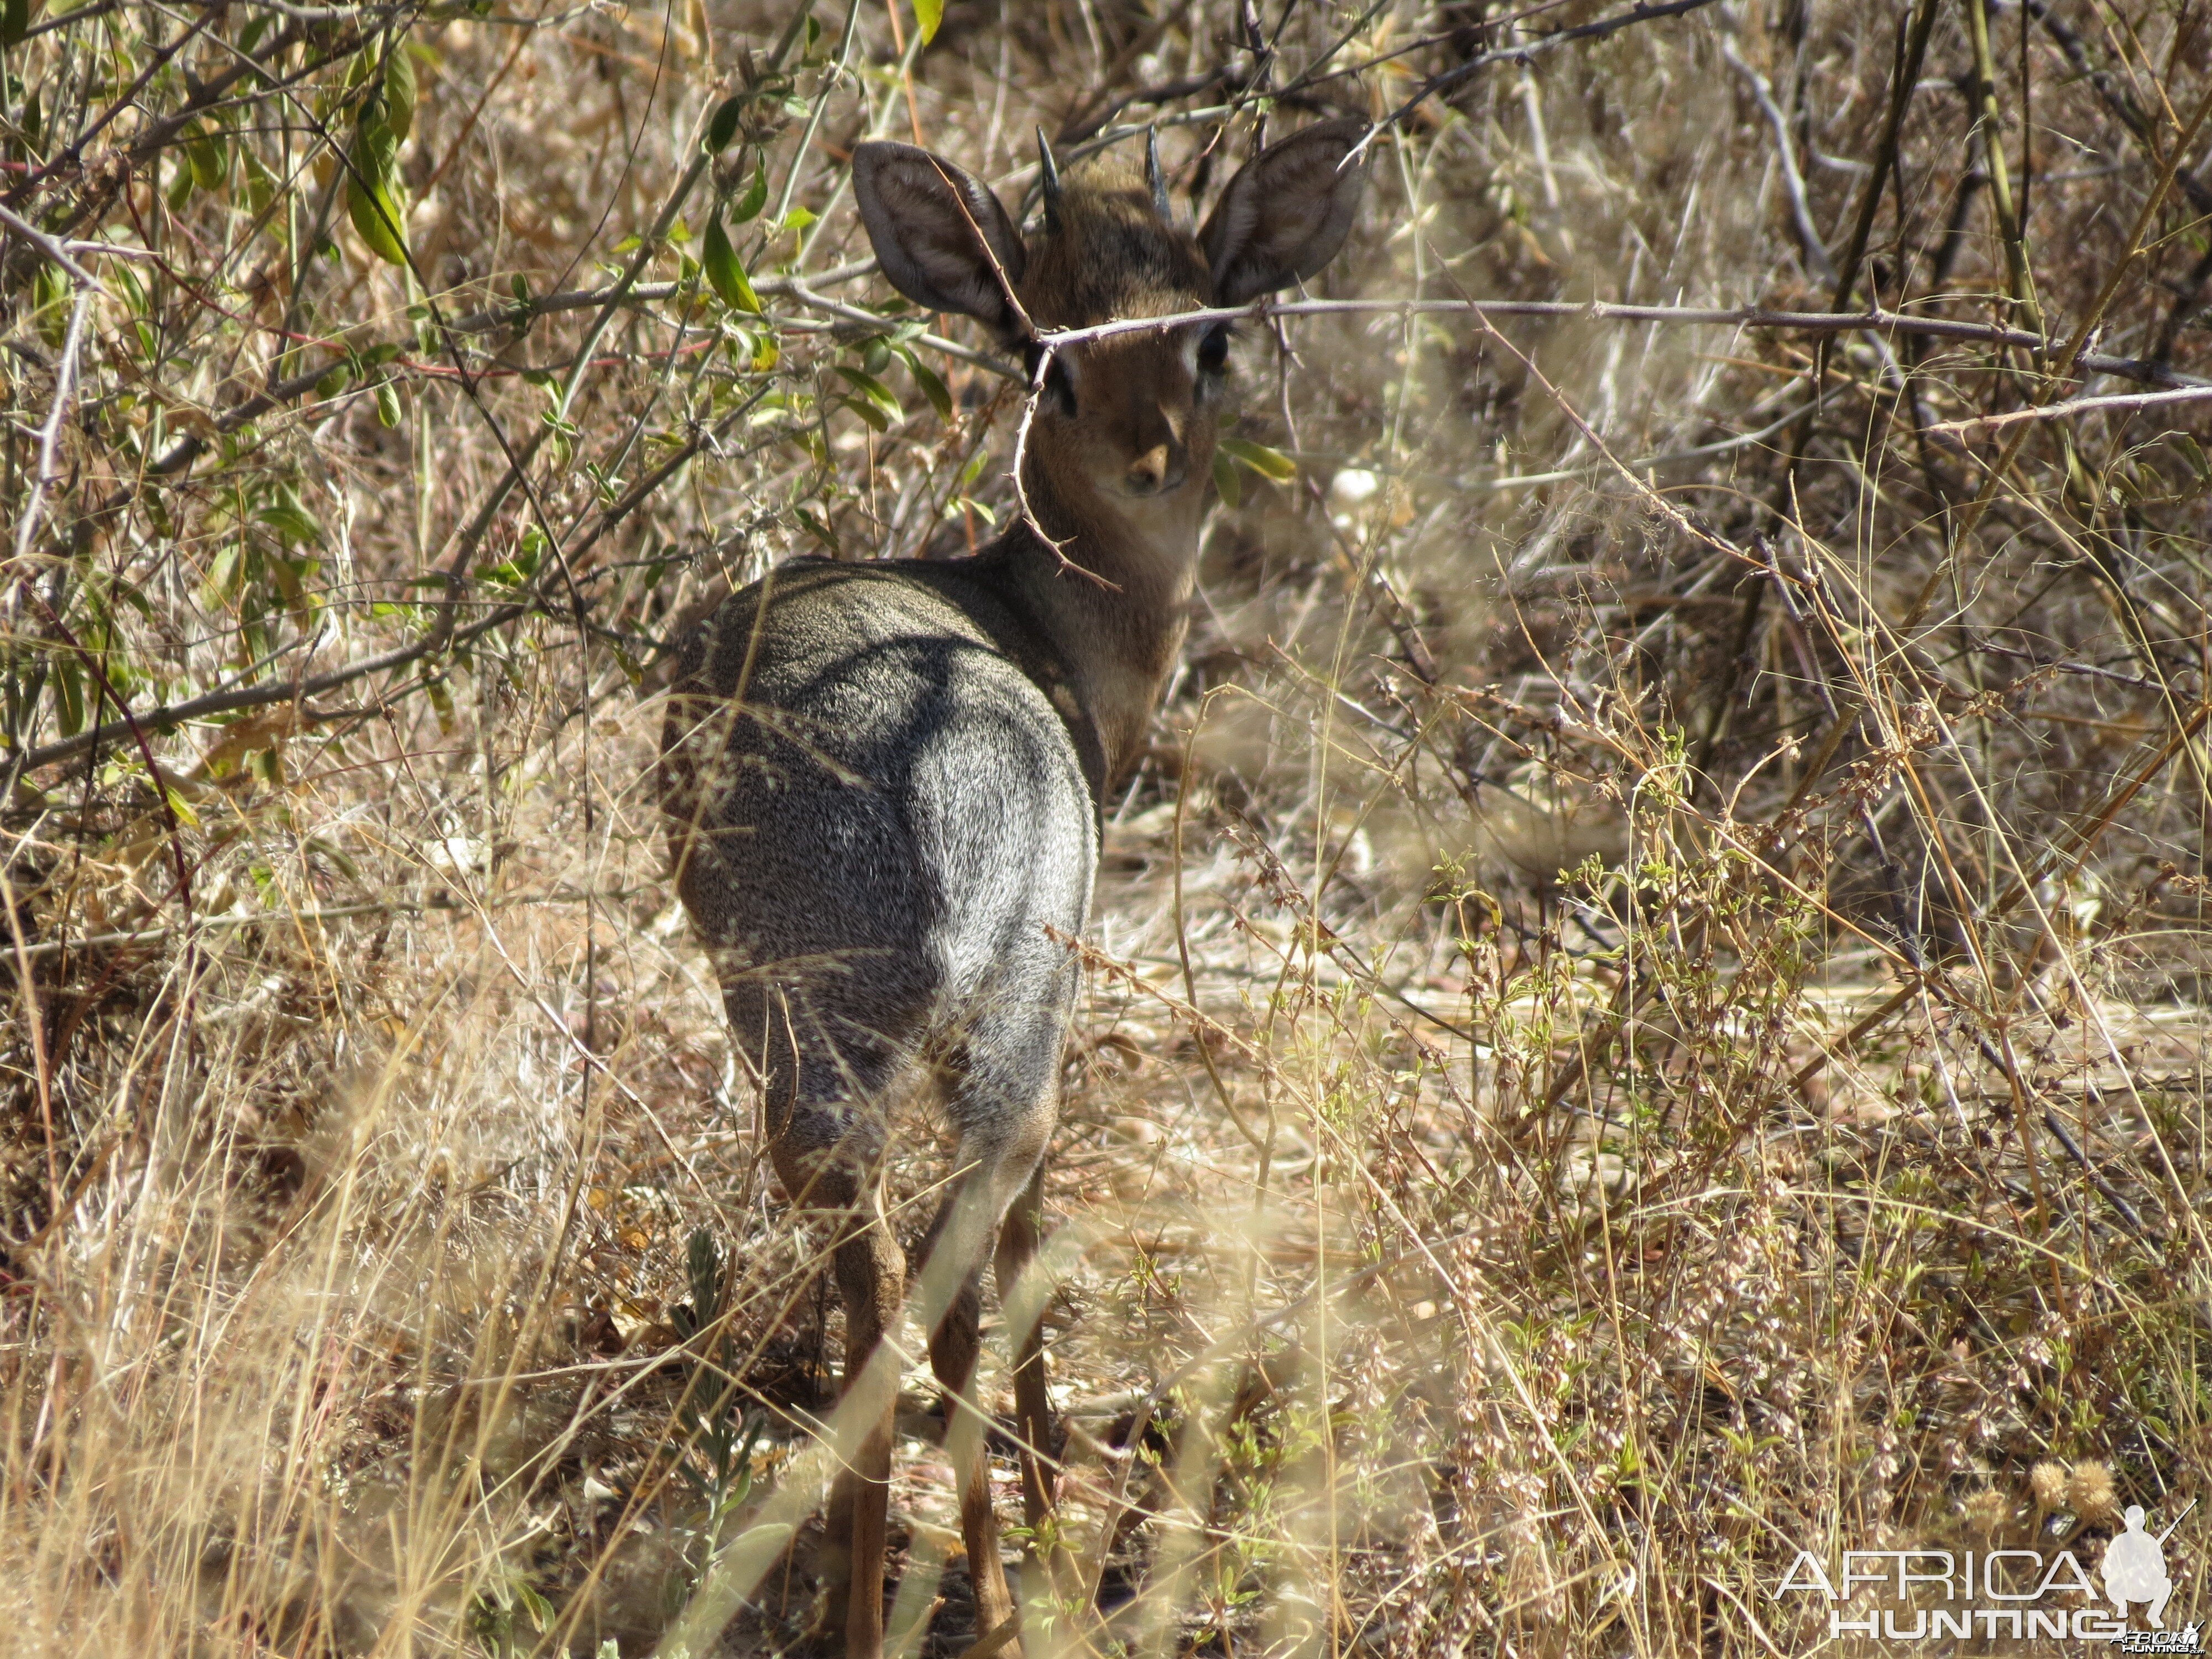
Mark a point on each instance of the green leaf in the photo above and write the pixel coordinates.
(516, 572)
(289, 519)
(227, 576)
(816, 527)
(722, 126)
(371, 192)
(210, 160)
(1269, 464)
(68, 694)
(50, 299)
(1225, 480)
(798, 219)
(262, 185)
(747, 207)
(14, 21)
(869, 413)
(928, 14)
(876, 392)
(540, 1610)
(720, 261)
(387, 404)
(933, 388)
(399, 91)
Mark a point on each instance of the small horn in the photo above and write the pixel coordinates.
(1049, 183)
(1154, 177)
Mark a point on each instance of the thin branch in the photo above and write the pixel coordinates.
(1885, 158)
(47, 246)
(1645, 11)
(65, 387)
(2117, 402)
(1878, 319)
(2009, 228)
(1793, 181)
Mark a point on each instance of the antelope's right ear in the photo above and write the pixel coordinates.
(1286, 214)
(941, 235)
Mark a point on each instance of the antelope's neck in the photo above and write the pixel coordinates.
(1112, 601)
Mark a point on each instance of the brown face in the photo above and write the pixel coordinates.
(1137, 412)
(1134, 414)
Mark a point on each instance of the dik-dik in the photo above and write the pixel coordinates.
(882, 780)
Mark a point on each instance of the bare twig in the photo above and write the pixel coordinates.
(1793, 181)
(2113, 403)
(47, 246)
(1992, 129)
(1644, 11)
(27, 528)
(1878, 321)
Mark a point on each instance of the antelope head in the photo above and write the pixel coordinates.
(1127, 421)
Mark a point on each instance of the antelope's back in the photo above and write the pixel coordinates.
(865, 793)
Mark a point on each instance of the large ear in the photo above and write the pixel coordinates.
(939, 233)
(1285, 213)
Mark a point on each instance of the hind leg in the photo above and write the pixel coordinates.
(870, 1272)
(1017, 1247)
(960, 1244)
(826, 1118)
(872, 1277)
(1004, 1096)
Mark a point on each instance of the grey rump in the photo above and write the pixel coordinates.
(898, 828)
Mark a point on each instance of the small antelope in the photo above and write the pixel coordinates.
(882, 780)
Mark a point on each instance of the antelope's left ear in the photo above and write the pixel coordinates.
(1286, 212)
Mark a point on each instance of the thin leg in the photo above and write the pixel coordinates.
(872, 1273)
(952, 1352)
(1002, 1075)
(1018, 1248)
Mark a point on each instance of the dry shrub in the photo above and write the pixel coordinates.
(1646, 1013)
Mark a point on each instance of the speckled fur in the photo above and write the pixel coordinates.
(885, 833)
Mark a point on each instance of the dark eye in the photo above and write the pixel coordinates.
(1058, 388)
(1213, 349)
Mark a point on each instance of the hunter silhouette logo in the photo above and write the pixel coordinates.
(2134, 1568)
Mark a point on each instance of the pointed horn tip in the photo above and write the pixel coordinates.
(1049, 181)
(1155, 179)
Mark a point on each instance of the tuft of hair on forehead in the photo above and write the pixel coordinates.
(1111, 255)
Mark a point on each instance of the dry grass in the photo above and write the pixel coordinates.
(1648, 1006)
